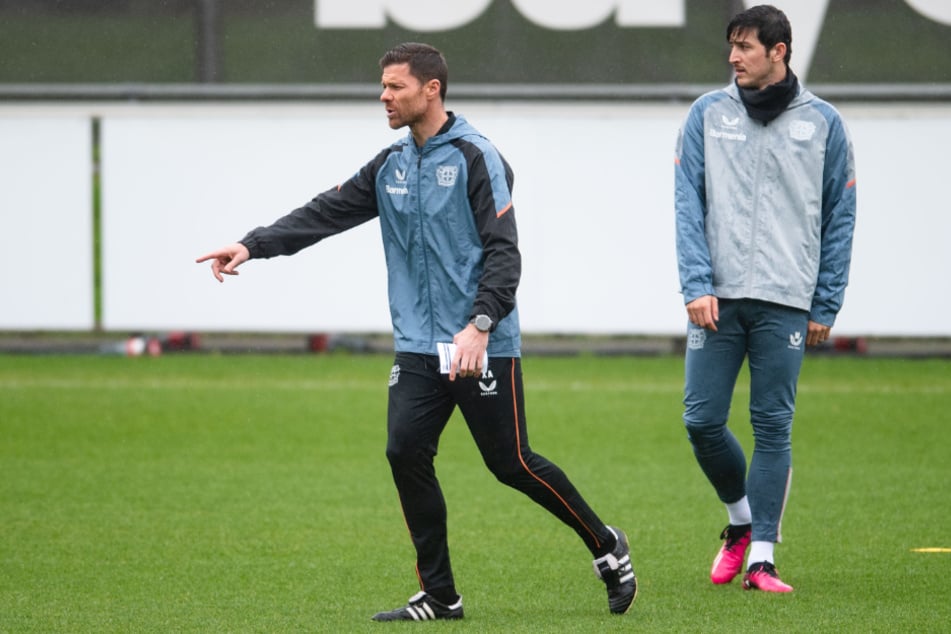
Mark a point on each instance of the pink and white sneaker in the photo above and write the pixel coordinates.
(729, 561)
(763, 576)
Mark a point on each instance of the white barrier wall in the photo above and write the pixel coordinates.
(181, 182)
(592, 216)
(46, 270)
(593, 198)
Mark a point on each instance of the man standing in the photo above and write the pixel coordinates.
(765, 211)
(443, 197)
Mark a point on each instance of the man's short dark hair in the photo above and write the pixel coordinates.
(770, 25)
(425, 63)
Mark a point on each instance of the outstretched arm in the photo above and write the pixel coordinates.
(330, 213)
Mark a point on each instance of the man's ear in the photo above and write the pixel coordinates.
(432, 88)
(778, 53)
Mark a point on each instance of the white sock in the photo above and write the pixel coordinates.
(760, 551)
(739, 512)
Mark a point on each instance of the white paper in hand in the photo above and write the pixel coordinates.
(448, 350)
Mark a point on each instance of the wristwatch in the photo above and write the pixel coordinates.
(483, 323)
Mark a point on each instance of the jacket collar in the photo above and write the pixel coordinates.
(451, 129)
(766, 104)
(801, 96)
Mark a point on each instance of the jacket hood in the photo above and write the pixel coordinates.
(455, 128)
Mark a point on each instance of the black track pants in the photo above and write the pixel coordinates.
(421, 400)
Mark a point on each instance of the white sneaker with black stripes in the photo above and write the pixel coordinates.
(422, 607)
(615, 570)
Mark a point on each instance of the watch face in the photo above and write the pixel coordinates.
(482, 322)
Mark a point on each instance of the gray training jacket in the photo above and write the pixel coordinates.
(765, 211)
(449, 234)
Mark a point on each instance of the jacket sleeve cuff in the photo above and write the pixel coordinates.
(253, 246)
(696, 292)
(822, 315)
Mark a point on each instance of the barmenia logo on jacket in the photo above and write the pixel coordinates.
(729, 130)
(400, 189)
(397, 191)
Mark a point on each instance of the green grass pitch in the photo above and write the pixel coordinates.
(250, 493)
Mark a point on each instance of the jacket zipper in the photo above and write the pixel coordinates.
(422, 241)
(755, 210)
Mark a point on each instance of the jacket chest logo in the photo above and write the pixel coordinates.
(400, 188)
(729, 129)
(446, 175)
(801, 130)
